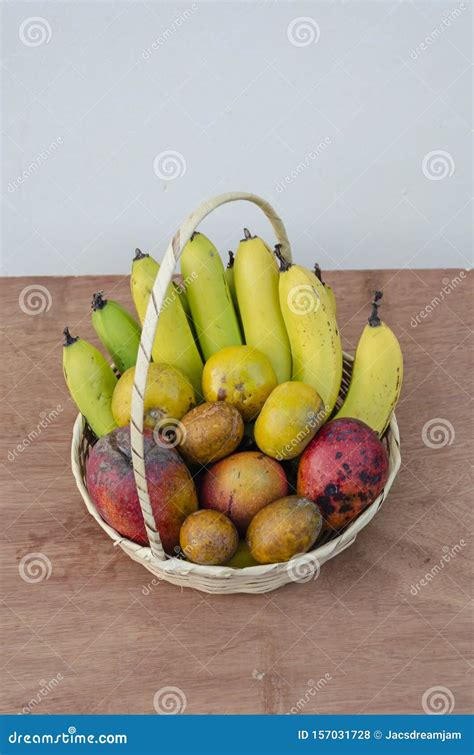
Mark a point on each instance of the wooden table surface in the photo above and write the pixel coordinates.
(367, 636)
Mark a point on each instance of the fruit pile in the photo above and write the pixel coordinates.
(249, 455)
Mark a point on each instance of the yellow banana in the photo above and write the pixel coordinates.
(208, 296)
(329, 290)
(312, 329)
(256, 283)
(174, 343)
(91, 382)
(117, 331)
(376, 376)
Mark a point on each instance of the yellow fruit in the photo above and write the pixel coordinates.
(168, 394)
(208, 537)
(242, 557)
(240, 375)
(283, 529)
(290, 418)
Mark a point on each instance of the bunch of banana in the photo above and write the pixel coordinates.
(209, 297)
(174, 342)
(329, 290)
(118, 332)
(91, 382)
(256, 283)
(377, 374)
(312, 329)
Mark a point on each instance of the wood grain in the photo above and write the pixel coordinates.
(112, 638)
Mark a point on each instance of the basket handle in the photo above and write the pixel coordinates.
(154, 307)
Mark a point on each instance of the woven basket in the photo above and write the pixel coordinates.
(213, 579)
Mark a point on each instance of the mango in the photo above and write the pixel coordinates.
(289, 420)
(168, 394)
(242, 557)
(240, 375)
(208, 537)
(343, 470)
(283, 529)
(241, 485)
(210, 432)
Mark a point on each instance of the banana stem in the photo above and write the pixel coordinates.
(318, 274)
(231, 261)
(69, 338)
(374, 319)
(247, 235)
(98, 302)
(284, 264)
(139, 255)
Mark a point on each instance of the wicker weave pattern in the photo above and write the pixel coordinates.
(212, 579)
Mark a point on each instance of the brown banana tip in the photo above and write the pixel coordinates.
(284, 264)
(98, 301)
(139, 255)
(69, 339)
(231, 261)
(374, 319)
(247, 235)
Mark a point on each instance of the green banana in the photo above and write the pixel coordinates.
(118, 332)
(174, 342)
(91, 382)
(329, 290)
(312, 329)
(256, 283)
(377, 374)
(209, 297)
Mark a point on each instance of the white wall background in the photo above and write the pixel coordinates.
(245, 92)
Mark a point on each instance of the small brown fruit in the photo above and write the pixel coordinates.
(208, 537)
(283, 529)
(210, 432)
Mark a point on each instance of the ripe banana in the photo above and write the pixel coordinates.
(312, 329)
(117, 331)
(256, 283)
(209, 297)
(91, 382)
(174, 343)
(329, 290)
(376, 376)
